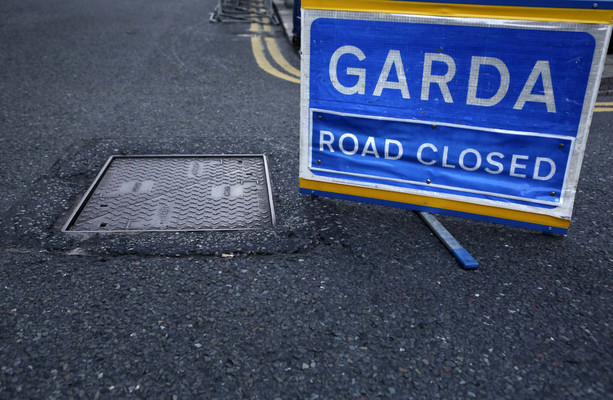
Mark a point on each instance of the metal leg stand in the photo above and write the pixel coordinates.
(449, 241)
(244, 11)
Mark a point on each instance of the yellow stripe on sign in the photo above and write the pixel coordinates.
(603, 109)
(592, 16)
(444, 204)
(260, 58)
(604, 103)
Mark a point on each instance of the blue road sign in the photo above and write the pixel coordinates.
(515, 79)
(489, 112)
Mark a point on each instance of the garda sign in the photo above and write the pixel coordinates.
(483, 118)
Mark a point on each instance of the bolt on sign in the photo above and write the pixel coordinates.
(478, 109)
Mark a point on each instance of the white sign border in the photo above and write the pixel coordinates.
(563, 209)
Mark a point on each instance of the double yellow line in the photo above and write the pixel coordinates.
(263, 44)
(603, 106)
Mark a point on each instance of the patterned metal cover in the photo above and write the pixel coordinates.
(177, 193)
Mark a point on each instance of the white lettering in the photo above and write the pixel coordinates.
(445, 151)
(355, 144)
(387, 149)
(477, 163)
(440, 80)
(473, 81)
(360, 86)
(515, 165)
(370, 148)
(328, 142)
(540, 69)
(537, 167)
(393, 59)
(420, 151)
(541, 172)
(490, 160)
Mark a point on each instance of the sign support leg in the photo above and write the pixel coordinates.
(463, 256)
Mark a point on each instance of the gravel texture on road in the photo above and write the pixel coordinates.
(326, 324)
(339, 300)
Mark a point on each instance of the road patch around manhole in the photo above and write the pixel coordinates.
(136, 193)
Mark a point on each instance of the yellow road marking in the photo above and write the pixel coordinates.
(266, 28)
(274, 51)
(260, 58)
(603, 106)
(260, 55)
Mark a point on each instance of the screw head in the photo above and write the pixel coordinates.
(318, 162)
(552, 194)
(319, 117)
(561, 145)
(428, 181)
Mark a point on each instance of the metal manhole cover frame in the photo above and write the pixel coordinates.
(92, 189)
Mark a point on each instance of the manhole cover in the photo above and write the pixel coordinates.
(177, 193)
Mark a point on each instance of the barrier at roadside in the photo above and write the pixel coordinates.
(479, 109)
(244, 11)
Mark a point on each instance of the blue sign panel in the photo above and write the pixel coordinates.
(483, 118)
(441, 158)
(529, 79)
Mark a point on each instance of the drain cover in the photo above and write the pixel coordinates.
(177, 193)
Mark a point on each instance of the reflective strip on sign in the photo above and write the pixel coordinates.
(437, 203)
(591, 16)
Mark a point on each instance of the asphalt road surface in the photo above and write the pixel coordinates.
(339, 300)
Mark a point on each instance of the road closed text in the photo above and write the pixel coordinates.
(468, 159)
(404, 151)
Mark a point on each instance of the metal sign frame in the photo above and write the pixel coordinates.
(553, 217)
